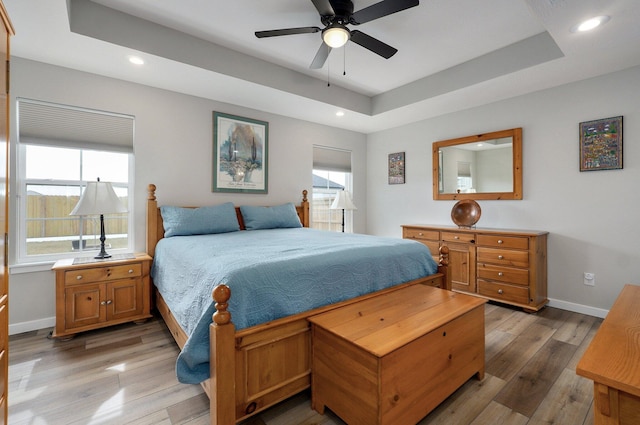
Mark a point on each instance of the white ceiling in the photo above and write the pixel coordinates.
(452, 54)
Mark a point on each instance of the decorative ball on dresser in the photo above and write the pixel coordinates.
(466, 213)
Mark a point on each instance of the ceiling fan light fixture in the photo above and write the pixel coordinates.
(335, 35)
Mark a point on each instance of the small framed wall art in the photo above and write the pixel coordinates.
(601, 144)
(396, 168)
(239, 154)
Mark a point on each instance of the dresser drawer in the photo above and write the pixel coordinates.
(501, 241)
(504, 292)
(458, 237)
(503, 274)
(503, 257)
(420, 234)
(101, 274)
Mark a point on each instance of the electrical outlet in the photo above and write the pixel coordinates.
(590, 279)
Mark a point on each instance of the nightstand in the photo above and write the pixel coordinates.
(92, 294)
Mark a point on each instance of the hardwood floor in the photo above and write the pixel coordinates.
(125, 375)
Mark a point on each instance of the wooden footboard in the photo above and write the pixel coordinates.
(257, 367)
(268, 363)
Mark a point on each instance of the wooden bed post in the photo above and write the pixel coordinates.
(443, 266)
(222, 397)
(305, 209)
(152, 220)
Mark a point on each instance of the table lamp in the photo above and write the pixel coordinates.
(99, 198)
(343, 202)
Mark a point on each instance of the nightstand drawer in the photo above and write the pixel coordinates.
(101, 274)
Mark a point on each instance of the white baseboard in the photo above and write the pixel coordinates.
(34, 325)
(578, 308)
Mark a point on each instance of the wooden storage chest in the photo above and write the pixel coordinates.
(392, 359)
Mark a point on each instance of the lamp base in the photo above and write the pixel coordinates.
(103, 254)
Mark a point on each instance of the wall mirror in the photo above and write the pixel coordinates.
(483, 166)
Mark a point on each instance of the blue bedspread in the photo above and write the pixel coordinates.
(272, 274)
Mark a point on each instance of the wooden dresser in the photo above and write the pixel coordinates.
(509, 266)
(101, 293)
(612, 361)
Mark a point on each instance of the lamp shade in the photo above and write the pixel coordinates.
(343, 201)
(336, 35)
(98, 198)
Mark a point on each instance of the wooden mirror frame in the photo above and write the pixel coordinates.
(515, 134)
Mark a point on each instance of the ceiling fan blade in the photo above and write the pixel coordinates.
(287, 31)
(383, 8)
(373, 44)
(324, 7)
(321, 57)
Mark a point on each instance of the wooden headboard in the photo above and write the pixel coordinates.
(155, 229)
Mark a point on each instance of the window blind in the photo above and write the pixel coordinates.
(43, 123)
(464, 169)
(331, 159)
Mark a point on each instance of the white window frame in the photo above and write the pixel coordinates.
(348, 215)
(21, 232)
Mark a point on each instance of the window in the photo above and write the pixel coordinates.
(48, 228)
(331, 173)
(55, 160)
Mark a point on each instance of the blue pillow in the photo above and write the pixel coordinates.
(178, 221)
(278, 217)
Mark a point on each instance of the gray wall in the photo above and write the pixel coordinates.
(173, 149)
(591, 216)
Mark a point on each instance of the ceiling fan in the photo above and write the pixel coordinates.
(335, 15)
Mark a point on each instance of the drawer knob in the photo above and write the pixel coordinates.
(107, 302)
(420, 234)
(500, 241)
(130, 271)
(500, 257)
(456, 237)
(79, 277)
(500, 291)
(500, 273)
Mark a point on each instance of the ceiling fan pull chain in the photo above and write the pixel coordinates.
(328, 74)
(344, 60)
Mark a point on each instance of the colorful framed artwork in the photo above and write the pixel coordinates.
(396, 168)
(601, 144)
(240, 147)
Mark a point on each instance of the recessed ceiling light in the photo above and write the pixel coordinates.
(590, 24)
(340, 114)
(136, 60)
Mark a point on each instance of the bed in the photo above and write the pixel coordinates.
(260, 359)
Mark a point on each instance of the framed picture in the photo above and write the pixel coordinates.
(240, 147)
(396, 168)
(601, 144)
